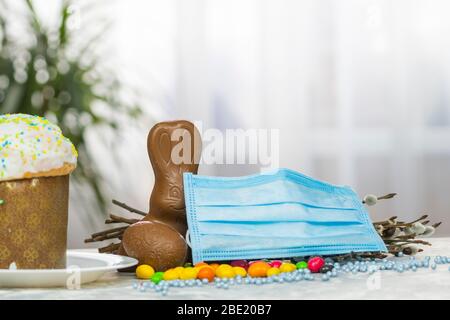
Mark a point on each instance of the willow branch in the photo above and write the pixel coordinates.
(127, 207)
(106, 232)
(109, 248)
(117, 234)
(119, 219)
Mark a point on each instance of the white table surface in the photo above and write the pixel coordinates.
(423, 284)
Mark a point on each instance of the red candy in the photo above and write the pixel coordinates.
(314, 264)
(240, 263)
(275, 263)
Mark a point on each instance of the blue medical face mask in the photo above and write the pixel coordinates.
(281, 214)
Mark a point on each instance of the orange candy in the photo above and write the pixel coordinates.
(214, 266)
(201, 264)
(206, 273)
(258, 269)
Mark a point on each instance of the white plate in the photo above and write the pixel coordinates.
(82, 267)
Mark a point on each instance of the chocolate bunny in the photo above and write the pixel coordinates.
(158, 240)
(167, 198)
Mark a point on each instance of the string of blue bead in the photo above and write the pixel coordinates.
(368, 266)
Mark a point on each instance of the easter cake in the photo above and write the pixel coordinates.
(35, 163)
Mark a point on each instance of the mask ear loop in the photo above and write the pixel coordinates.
(187, 238)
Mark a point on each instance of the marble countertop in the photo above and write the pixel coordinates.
(422, 284)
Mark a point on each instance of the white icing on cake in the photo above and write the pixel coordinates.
(31, 144)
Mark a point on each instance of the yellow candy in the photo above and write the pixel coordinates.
(188, 273)
(170, 274)
(144, 271)
(178, 270)
(198, 268)
(224, 266)
(273, 272)
(225, 271)
(239, 271)
(287, 267)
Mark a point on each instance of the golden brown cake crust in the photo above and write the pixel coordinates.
(66, 169)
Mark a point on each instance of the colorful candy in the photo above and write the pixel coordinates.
(225, 271)
(302, 265)
(240, 271)
(287, 267)
(275, 263)
(157, 277)
(240, 263)
(273, 272)
(214, 266)
(258, 269)
(171, 274)
(206, 273)
(328, 271)
(144, 271)
(315, 263)
(178, 270)
(201, 264)
(188, 273)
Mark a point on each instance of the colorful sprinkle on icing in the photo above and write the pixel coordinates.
(31, 144)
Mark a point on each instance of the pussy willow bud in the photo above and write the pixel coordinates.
(370, 200)
(429, 231)
(389, 232)
(398, 233)
(379, 228)
(408, 231)
(418, 228)
(410, 250)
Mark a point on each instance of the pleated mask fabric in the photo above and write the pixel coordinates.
(280, 214)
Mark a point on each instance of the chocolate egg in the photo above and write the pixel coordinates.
(156, 244)
(121, 252)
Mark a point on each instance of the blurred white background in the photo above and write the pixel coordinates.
(360, 90)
